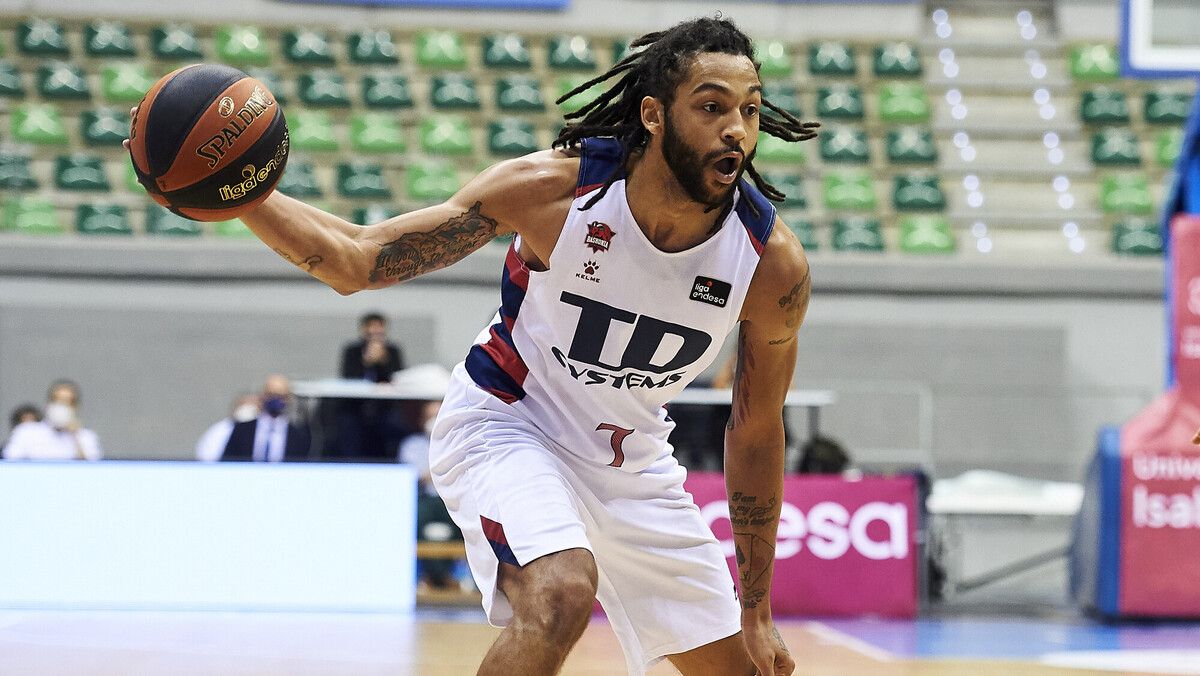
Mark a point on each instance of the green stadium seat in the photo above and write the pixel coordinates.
(857, 233)
(1168, 143)
(15, 172)
(903, 102)
(896, 60)
(783, 94)
(11, 85)
(849, 191)
(176, 42)
(570, 52)
(926, 235)
(1116, 146)
(372, 46)
(161, 222)
(234, 229)
(1125, 194)
(918, 192)
(108, 38)
(509, 137)
(104, 126)
(506, 50)
(431, 181)
(519, 93)
(80, 172)
(299, 180)
(42, 37)
(453, 91)
(31, 216)
(374, 213)
(38, 123)
(376, 133)
(621, 48)
(831, 59)
(362, 180)
(1103, 106)
(125, 83)
(775, 58)
(242, 46)
(102, 219)
(311, 130)
(771, 150)
(1094, 63)
(910, 145)
(271, 80)
(566, 84)
(62, 81)
(1167, 107)
(386, 91)
(804, 229)
(845, 145)
(791, 185)
(130, 179)
(323, 88)
(840, 102)
(1137, 237)
(307, 46)
(441, 50)
(446, 135)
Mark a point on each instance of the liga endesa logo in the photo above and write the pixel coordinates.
(829, 530)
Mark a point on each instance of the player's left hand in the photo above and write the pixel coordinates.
(1196, 439)
(767, 650)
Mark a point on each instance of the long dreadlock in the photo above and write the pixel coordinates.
(657, 64)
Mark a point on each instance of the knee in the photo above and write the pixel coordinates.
(559, 609)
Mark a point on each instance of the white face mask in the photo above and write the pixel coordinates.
(59, 416)
(245, 413)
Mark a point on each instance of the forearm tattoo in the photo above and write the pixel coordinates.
(795, 303)
(308, 264)
(755, 553)
(416, 253)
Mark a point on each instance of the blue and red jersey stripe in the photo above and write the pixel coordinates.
(496, 365)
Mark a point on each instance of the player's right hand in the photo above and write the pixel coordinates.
(1196, 439)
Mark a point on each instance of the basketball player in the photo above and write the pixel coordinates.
(642, 239)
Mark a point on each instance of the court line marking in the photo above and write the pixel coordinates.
(831, 635)
(1138, 661)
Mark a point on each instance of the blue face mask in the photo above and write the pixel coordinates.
(274, 406)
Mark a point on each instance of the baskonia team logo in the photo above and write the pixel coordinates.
(599, 236)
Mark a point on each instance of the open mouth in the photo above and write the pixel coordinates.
(727, 167)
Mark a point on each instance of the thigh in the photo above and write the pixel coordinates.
(724, 657)
(559, 581)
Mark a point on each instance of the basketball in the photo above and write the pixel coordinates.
(208, 142)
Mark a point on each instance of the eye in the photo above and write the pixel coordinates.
(752, 110)
(710, 107)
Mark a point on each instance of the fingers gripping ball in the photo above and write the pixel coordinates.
(208, 142)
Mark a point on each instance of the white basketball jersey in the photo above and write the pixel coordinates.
(591, 350)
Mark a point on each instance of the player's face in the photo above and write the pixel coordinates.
(711, 128)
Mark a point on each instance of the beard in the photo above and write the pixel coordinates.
(688, 167)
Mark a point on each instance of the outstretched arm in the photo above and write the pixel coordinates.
(351, 258)
(754, 442)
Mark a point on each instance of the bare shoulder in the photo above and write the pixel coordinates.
(779, 293)
(533, 180)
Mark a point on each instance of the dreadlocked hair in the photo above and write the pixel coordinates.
(656, 65)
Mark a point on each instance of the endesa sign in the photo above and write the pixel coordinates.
(843, 547)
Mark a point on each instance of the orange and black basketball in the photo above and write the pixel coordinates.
(208, 142)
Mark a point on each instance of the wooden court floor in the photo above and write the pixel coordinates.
(37, 643)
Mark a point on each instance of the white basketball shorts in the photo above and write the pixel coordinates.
(517, 496)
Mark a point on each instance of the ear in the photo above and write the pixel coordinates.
(652, 115)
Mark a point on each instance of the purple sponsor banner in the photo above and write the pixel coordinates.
(844, 547)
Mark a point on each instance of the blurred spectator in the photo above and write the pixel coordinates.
(271, 437)
(60, 435)
(22, 414)
(433, 520)
(370, 428)
(212, 442)
(822, 455)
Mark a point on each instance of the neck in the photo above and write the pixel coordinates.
(668, 216)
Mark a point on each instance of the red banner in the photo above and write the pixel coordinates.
(1185, 273)
(843, 548)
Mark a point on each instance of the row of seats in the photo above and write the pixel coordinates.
(926, 234)
(440, 50)
(1105, 105)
